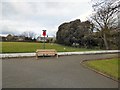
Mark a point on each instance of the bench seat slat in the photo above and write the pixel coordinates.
(48, 52)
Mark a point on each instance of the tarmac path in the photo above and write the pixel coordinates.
(50, 72)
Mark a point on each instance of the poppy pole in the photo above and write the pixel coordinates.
(44, 34)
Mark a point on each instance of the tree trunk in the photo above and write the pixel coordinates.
(105, 41)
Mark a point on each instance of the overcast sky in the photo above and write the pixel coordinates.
(35, 15)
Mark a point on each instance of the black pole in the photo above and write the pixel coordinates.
(44, 34)
(44, 42)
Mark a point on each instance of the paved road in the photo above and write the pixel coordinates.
(49, 72)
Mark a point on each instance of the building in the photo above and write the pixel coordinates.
(11, 37)
(49, 39)
(41, 39)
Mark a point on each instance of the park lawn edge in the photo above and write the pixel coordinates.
(30, 47)
(84, 63)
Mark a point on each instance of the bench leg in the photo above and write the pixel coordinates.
(57, 55)
(36, 56)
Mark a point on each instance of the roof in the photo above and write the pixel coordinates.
(4, 35)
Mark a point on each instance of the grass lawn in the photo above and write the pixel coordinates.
(16, 47)
(107, 66)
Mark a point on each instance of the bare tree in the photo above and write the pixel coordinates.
(29, 34)
(25, 34)
(105, 18)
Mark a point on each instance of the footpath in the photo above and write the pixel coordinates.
(9, 55)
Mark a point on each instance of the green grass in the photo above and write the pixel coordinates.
(107, 66)
(16, 47)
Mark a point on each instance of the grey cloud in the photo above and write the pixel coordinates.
(8, 10)
(47, 14)
(7, 30)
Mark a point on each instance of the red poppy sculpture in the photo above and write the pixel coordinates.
(44, 33)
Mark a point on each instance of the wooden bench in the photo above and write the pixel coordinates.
(46, 52)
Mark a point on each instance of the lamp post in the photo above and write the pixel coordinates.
(44, 34)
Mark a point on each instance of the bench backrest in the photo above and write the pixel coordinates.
(46, 51)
